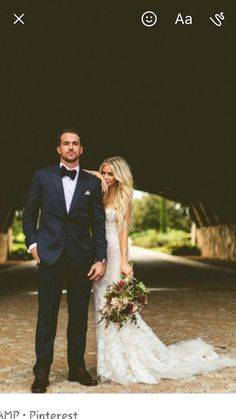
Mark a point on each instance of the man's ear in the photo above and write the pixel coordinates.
(58, 150)
(81, 150)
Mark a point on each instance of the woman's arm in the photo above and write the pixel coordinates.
(99, 176)
(125, 266)
(93, 172)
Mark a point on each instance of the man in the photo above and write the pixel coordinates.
(68, 242)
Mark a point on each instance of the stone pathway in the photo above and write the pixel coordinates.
(174, 313)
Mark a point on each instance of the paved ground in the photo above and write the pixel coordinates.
(188, 300)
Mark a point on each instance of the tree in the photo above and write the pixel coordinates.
(154, 212)
(163, 215)
(146, 213)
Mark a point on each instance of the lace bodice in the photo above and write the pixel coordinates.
(112, 234)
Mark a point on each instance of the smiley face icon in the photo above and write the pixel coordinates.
(149, 18)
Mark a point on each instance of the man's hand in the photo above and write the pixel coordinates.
(35, 254)
(97, 271)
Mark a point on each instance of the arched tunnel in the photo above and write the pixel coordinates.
(158, 96)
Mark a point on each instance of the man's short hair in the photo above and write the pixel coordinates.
(70, 130)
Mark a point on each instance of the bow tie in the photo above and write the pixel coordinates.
(65, 172)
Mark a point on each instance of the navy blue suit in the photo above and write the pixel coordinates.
(67, 244)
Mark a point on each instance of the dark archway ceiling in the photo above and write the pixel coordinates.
(162, 97)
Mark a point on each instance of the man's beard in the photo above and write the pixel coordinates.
(70, 160)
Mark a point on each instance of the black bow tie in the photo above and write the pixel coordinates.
(65, 172)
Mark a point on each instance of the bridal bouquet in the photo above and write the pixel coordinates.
(123, 300)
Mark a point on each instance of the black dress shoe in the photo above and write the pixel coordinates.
(40, 383)
(82, 376)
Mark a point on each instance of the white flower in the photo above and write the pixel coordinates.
(114, 302)
(135, 308)
(125, 300)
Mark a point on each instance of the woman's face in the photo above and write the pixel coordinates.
(108, 176)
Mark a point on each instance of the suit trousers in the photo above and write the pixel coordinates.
(51, 281)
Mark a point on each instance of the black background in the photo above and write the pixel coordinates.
(162, 97)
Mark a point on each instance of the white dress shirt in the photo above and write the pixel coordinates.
(69, 186)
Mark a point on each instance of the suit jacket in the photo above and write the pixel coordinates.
(81, 232)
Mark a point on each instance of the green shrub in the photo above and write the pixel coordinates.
(152, 238)
(19, 238)
(182, 248)
(175, 242)
(146, 239)
(19, 252)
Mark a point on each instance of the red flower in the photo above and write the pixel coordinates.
(121, 283)
(130, 308)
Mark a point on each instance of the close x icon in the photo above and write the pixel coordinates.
(19, 19)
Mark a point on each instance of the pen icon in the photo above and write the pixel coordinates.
(219, 17)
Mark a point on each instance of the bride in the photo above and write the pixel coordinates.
(134, 354)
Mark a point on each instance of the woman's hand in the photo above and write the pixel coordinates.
(104, 186)
(127, 270)
(99, 176)
(103, 182)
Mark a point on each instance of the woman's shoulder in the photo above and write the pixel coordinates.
(87, 174)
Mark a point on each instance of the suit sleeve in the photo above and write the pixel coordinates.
(98, 224)
(31, 211)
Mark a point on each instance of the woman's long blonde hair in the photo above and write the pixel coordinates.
(124, 191)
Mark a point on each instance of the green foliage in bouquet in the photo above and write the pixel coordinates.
(123, 300)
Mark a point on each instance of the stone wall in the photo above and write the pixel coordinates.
(5, 245)
(217, 242)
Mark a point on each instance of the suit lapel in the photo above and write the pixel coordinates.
(58, 182)
(78, 189)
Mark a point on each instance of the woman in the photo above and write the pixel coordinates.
(135, 354)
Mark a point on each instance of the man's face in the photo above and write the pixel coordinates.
(70, 148)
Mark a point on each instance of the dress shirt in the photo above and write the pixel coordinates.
(69, 186)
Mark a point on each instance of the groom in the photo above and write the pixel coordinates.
(68, 242)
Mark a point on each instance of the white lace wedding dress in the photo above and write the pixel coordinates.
(135, 354)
